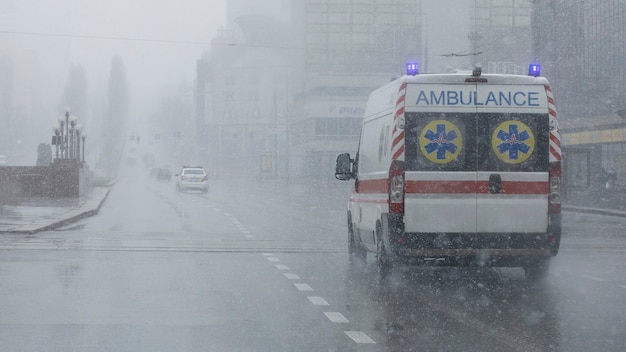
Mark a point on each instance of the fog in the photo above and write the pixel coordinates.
(159, 43)
(230, 194)
(158, 40)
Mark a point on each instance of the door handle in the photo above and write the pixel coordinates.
(495, 183)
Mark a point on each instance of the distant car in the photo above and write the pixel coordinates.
(192, 178)
(163, 174)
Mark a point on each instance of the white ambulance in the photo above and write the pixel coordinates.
(457, 169)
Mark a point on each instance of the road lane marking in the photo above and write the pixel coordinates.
(336, 317)
(359, 337)
(622, 286)
(318, 301)
(304, 287)
(291, 276)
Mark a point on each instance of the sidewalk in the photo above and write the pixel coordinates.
(591, 210)
(35, 215)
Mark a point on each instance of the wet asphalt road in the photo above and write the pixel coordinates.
(259, 266)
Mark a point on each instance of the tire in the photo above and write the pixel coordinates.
(537, 270)
(356, 254)
(384, 263)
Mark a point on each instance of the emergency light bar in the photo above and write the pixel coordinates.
(412, 69)
(534, 70)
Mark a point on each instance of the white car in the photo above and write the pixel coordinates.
(192, 178)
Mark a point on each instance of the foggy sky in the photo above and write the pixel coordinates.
(159, 41)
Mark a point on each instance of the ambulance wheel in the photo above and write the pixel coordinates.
(537, 270)
(356, 253)
(383, 261)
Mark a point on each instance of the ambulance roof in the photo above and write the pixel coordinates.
(461, 77)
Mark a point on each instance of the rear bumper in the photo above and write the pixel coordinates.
(470, 249)
(193, 185)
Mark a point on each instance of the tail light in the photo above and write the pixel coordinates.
(396, 187)
(554, 196)
(205, 178)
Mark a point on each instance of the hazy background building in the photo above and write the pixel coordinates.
(241, 91)
(582, 45)
(499, 35)
(350, 49)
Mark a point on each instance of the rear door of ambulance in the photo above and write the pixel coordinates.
(513, 159)
(440, 159)
(474, 164)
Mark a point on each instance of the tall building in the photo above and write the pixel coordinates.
(500, 35)
(582, 45)
(360, 37)
(242, 93)
(285, 84)
(350, 48)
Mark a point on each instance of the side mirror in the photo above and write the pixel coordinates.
(343, 167)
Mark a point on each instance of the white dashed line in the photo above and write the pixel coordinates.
(622, 286)
(359, 337)
(291, 276)
(304, 287)
(336, 317)
(318, 301)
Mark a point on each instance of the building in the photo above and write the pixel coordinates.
(582, 46)
(283, 92)
(350, 49)
(242, 96)
(500, 35)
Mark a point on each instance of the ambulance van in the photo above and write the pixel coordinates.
(457, 169)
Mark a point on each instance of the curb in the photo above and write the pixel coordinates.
(598, 211)
(78, 214)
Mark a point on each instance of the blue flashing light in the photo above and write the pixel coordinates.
(534, 70)
(412, 69)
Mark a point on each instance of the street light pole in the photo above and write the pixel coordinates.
(57, 138)
(83, 153)
(78, 144)
(67, 130)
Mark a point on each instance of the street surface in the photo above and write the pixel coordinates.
(262, 266)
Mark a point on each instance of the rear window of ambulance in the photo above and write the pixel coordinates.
(476, 142)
